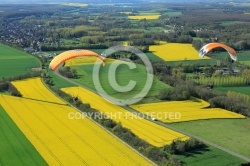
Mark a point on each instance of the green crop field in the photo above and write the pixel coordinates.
(123, 76)
(199, 62)
(245, 62)
(210, 156)
(15, 147)
(241, 56)
(152, 57)
(148, 13)
(58, 81)
(233, 134)
(14, 62)
(240, 89)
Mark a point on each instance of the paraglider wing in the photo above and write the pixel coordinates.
(59, 59)
(208, 47)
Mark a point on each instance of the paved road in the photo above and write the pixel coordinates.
(167, 125)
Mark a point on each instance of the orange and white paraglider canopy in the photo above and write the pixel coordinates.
(208, 47)
(59, 59)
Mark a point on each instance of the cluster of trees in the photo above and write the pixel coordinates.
(22, 76)
(184, 89)
(68, 72)
(175, 94)
(218, 75)
(222, 80)
(181, 147)
(72, 47)
(6, 86)
(216, 99)
(101, 27)
(219, 25)
(232, 101)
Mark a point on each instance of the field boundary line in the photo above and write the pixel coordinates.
(109, 132)
(36, 136)
(19, 140)
(45, 101)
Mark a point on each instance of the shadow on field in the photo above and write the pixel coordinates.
(196, 151)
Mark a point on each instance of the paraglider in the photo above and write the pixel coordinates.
(208, 47)
(61, 58)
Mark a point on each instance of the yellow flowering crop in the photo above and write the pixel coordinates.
(148, 17)
(175, 51)
(63, 136)
(188, 111)
(34, 89)
(85, 60)
(150, 132)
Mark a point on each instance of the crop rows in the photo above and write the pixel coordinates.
(15, 147)
(144, 129)
(34, 89)
(62, 139)
(222, 80)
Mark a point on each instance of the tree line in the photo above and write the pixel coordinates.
(185, 89)
(161, 156)
(7, 87)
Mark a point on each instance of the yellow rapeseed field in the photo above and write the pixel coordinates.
(34, 89)
(152, 133)
(186, 111)
(148, 17)
(63, 136)
(175, 51)
(85, 60)
(64, 141)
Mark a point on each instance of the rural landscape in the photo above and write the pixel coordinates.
(117, 82)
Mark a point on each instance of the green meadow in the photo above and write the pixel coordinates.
(122, 76)
(15, 62)
(210, 156)
(233, 134)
